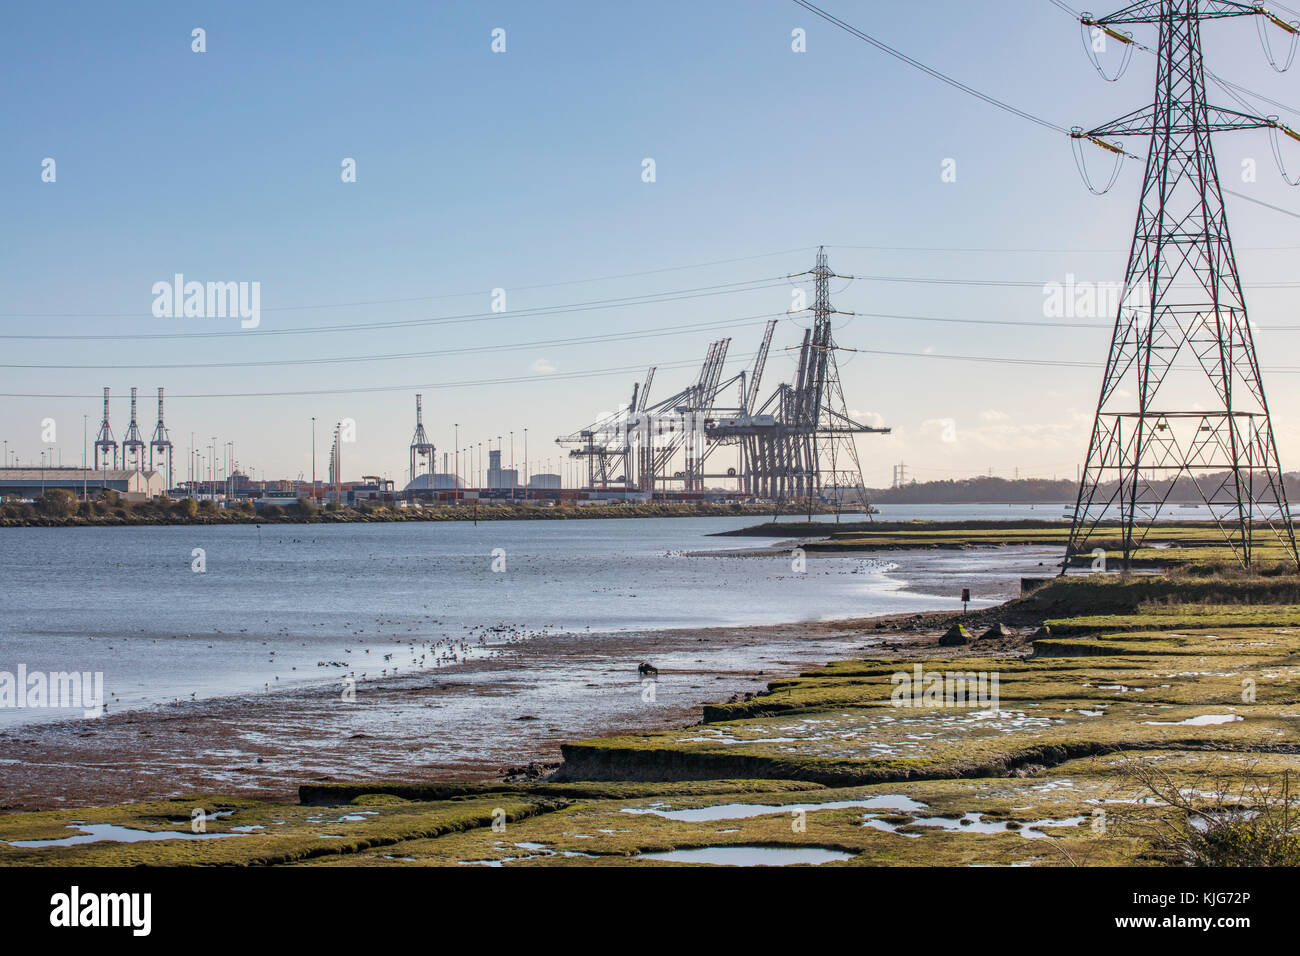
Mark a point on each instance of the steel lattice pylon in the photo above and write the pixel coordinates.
(815, 453)
(1181, 399)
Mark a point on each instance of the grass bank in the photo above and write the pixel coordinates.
(189, 512)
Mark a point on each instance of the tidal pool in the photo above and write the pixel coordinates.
(741, 811)
(752, 855)
(101, 832)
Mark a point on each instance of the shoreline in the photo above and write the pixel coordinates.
(513, 707)
(266, 747)
(384, 515)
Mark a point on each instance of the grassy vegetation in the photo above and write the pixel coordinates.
(1220, 818)
(1196, 548)
(957, 534)
(60, 509)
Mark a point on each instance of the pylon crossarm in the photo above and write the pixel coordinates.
(1151, 11)
(1147, 122)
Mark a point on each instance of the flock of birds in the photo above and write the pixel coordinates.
(435, 652)
(423, 653)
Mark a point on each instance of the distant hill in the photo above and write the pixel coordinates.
(999, 491)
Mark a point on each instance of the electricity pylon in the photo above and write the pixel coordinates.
(822, 453)
(1182, 402)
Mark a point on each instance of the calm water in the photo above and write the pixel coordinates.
(272, 604)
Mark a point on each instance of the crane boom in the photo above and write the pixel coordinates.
(759, 362)
(645, 389)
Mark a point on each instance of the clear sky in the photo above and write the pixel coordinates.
(522, 171)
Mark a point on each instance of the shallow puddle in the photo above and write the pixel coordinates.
(752, 856)
(742, 811)
(973, 823)
(111, 832)
(535, 851)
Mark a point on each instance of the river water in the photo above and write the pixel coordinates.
(192, 612)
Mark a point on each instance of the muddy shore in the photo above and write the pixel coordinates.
(525, 702)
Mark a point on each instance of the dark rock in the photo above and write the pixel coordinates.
(997, 631)
(533, 771)
(955, 636)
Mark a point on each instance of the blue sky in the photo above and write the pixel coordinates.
(478, 171)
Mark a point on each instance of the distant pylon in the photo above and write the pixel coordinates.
(105, 443)
(1204, 422)
(133, 443)
(422, 450)
(825, 455)
(161, 443)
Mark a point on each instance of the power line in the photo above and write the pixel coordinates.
(654, 298)
(917, 64)
(423, 386)
(993, 101)
(428, 298)
(1021, 283)
(1050, 363)
(648, 332)
(650, 298)
(595, 373)
(989, 249)
(1044, 324)
(1229, 86)
(1260, 202)
(1226, 85)
(504, 313)
(1040, 249)
(395, 356)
